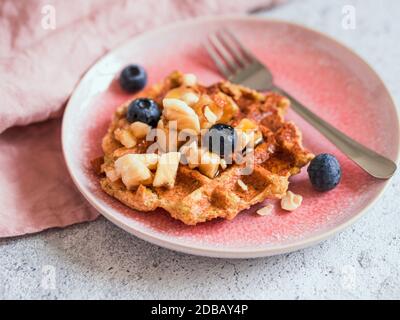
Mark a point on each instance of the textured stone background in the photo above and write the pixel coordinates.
(98, 260)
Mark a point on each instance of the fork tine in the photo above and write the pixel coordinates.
(232, 47)
(249, 56)
(225, 55)
(217, 60)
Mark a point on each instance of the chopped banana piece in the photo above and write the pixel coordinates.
(242, 185)
(192, 154)
(125, 137)
(150, 160)
(166, 170)
(140, 129)
(209, 164)
(291, 201)
(177, 110)
(133, 171)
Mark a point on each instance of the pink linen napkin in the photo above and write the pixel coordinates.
(45, 48)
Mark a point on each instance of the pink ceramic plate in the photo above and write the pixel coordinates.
(327, 77)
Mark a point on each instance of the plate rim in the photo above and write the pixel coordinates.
(204, 250)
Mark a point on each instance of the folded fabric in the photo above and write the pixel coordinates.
(46, 47)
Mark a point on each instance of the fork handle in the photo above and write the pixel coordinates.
(375, 164)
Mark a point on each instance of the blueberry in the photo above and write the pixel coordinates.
(133, 78)
(324, 172)
(221, 139)
(144, 110)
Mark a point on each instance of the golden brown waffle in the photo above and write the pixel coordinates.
(195, 197)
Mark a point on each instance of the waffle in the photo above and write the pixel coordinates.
(197, 198)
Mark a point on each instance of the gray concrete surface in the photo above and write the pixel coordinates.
(98, 260)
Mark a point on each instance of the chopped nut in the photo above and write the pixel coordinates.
(140, 129)
(229, 106)
(121, 110)
(209, 115)
(189, 79)
(265, 211)
(112, 175)
(250, 132)
(291, 201)
(125, 137)
(209, 164)
(223, 164)
(247, 124)
(205, 100)
(283, 103)
(242, 185)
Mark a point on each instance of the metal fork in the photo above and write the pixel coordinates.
(240, 66)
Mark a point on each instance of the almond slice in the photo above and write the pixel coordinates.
(242, 185)
(291, 201)
(166, 170)
(223, 164)
(205, 100)
(209, 115)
